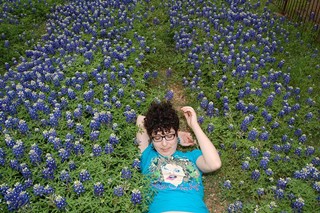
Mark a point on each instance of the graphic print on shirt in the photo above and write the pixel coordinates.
(175, 171)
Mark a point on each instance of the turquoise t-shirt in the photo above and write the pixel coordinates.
(176, 180)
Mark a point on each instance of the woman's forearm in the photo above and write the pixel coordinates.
(209, 152)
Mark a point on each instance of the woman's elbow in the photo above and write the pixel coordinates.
(215, 166)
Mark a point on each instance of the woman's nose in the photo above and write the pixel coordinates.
(164, 142)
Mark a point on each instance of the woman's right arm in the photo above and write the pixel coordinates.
(142, 137)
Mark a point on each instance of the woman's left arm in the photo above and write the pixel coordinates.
(210, 159)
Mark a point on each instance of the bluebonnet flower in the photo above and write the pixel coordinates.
(200, 119)
(227, 184)
(48, 173)
(260, 191)
(94, 124)
(118, 104)
(309, 150)
(279, 193)
(298, 132)
(34, 157)
(126, 173)
(38, 190)
(264, 136)
(169, 95)
(284, 138)
(16, 198)
(72, 165)
(96, 150)
(18, 149)
(105, 117)
(136, 197)
(210, 109)
(282, 183)
(316, 186)
(14, 164)
(303, 138)
(113, 139)
(23, 127)
(275, 125)
(210, 128)
(269, 172)
(315, 161)
(6, 44)
(254, 152)
(9, 141)
(298, 204)
(65, 176)
(84, 175)
(70, 124)
(78, 187)
(64, 154)
(48, 190)
(235, 207)
(94, 135)
(79, 129)
(146, 74)
(245, 165)
(269, 101)
(309, 116)
(98, 189)
(298, 151)
(245, 123)
(264, 162)
(253, 134)
(130, 116)
(26, 173)
(71, 94)
(78, 148)
(118, 191)
(286, 147)
(277, 158)
(108, 149)
(60, 202)
(136, 164)
(255, 175)
(204, 103)
(50, 162)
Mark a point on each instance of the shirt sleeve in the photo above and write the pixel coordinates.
(145, 158)
(195, 154)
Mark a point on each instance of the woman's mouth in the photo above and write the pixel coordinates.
(166, 150)
(171, 177)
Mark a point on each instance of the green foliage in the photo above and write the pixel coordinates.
(23, 27)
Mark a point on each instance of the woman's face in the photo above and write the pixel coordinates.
(165, 144)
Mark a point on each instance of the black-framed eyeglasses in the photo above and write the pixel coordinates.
(159, 138)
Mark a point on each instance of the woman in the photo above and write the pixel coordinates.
(176, 176)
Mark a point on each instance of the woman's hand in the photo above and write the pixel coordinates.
(186, 138)
(190, 115)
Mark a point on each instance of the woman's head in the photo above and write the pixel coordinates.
(161, 117)
(162, 124)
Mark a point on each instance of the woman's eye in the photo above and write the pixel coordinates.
(169, 136)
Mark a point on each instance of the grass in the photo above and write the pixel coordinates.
(26, 29)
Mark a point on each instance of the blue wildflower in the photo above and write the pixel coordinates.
(136, 197)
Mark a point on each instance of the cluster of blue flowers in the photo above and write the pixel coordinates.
(237, 75)
(45, 93)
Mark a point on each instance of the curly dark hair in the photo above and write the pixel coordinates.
(161, 117)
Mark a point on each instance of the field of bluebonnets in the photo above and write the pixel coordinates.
(80, 72)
